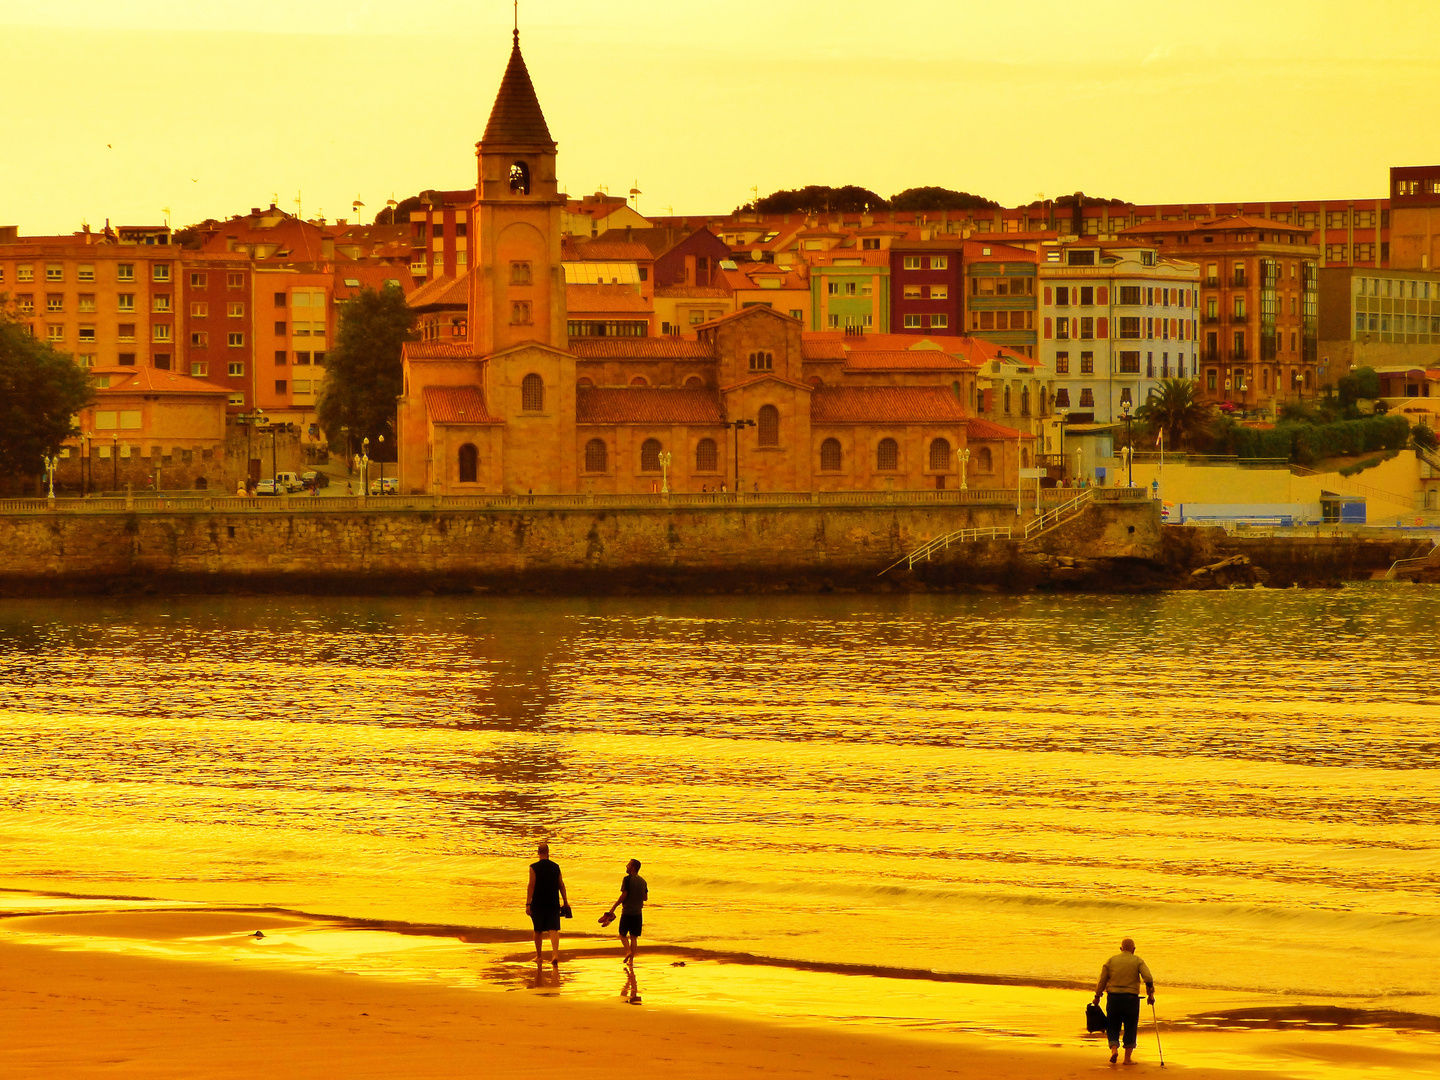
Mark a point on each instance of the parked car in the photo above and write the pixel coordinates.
(390, 485)
(314, 479)
(269, 487)
(289, 481)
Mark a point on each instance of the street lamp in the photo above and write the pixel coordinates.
(1129, 447)
(84, 465)
(664, 460)
(51, 461)
(115, 460)
(365, 467)
(737, 425)
(381, 438)
(1064, 414)
(965, 468)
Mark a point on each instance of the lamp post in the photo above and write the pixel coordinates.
(365, 467)
(1064, 414)
(965, 469)
(115, 459)
(1129, 447)
(664, 460)
(51, 461)
(84, 465)
(737, 425)
(381, 439)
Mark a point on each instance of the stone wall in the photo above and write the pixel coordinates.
(574, 550)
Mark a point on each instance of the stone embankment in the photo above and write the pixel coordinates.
(526, 545)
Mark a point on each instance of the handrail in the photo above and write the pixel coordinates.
(1062, 513)
(939, 543)
(1430, 558)
(1362, 489)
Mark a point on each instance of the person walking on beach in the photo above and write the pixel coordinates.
(1120, 980)
(631, 902)
(543, 900)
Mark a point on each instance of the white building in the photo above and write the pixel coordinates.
(1116, 319)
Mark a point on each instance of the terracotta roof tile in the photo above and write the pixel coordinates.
(606, 251)
(976, 428)
(637, 348)
(457, 405)
(438, 350)
(442, 290)
(905, 360)
(516, 117)
(822, 350)
(646, 405)
(884, 404)
(581, 298)
(691, 292)
(151, 380)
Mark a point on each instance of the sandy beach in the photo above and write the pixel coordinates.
(186, 994)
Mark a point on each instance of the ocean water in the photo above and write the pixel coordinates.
(992, 786)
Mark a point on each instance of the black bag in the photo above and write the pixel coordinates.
(565, 912)
(1095, 1018)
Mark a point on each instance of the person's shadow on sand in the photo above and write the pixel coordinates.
(631, 990)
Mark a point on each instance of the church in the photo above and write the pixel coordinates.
(752, 401)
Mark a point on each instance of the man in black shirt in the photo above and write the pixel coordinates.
(543, 900)
(631, 902)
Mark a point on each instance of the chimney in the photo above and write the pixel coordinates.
(255, 210)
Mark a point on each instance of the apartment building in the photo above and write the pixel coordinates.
(1000, 295)
(1415, 197)
(849, 289)
(1116, 319)
(1378, 318)
(1259, 308)
(928, 286)
(440, 234)
(218, 335)
(109, 298)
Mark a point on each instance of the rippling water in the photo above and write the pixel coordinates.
(1243, 781)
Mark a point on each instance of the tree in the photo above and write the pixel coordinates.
(1360, 383)
(363, 371)
(41, 391)
(939, 198)
(400, 212)
(819, 199)
(1174, 407)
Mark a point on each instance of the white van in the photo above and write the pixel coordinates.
(289, 481)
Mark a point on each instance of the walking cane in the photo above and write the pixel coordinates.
(1157, 1034)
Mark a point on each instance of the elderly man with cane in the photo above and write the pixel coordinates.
(1121, 977)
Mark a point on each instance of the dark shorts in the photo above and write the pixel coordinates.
(544, 921)
(630, 925)
(1122, 1011)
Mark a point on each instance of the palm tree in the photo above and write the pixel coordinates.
(1175, 408)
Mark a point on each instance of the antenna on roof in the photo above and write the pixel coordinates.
(517, 22)
(297, 204)
(635, 194)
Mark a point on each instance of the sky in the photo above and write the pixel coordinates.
(142, 111)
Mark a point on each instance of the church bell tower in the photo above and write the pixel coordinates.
(517, 291)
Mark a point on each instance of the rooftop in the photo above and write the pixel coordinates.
(646, 405)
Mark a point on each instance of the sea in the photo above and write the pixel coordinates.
(986, 787)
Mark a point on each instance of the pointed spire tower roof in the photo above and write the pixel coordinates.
(516, 118)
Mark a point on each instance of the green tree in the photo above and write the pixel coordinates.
(1174, 406)
(939, 198)
(41, 391)
(363, 371)
(400, 212)
(819, 199)
(1360, 383)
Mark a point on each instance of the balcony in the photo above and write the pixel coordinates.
(1239, 317)
(1210, 357)
(1212, 318)
(1239, 281)
(1212, 283)
(1239, 354)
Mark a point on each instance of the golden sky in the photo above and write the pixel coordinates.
(119, 108)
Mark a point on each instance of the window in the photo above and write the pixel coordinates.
(650, 455)
(235, 309)
(160, 302)
(939, 262)
(939, 322)
(1062, 328)
(235, 368)
(125, 302)
(830, 455)
(762, 361)
(160, 272)
(532, 393)
(237, 399)
(1062, 363)
(940, 454)
(519, 312)
(85, 272)
(1129, 326)
(520, 178)
(470, 461)
(280, 386)
(1062, 398)
(984, 460)
(161, 360)
(199, 311)
(199, 368)
(127, 359)
(87, 335)
(54, 302)
(302, 358)
(768, 425)
(870, 243)
(1080, 258)
(279, 329)
(55, 332)
(707, 458)
(939, 292)
(1007, 400)
(1087, 328)
(520, 273)
(887, 455)
(1062, 296)
(199, 338)
(54, 272)
(125, 331)
(912, 322)
(1087, 295)
(1130, 363)
(796, 313)
(160, 332)
(235, 341)
(25, 272)
(197, 281)
(912, 262)
(280, 356)
(1087, 398)
(235, 281)
(832, 288)
(1087, 363)
(124, 271)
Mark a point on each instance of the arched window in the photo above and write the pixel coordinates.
(940, 454)
(706, 458)
(650, 455)
(694, 382)
(639, 380)
(830, 455)
(887, 455)
(816, 381)
(768, 425)
(1024, 458)
(595, 455)
(584, 380)
(532, 393)
(762, 361)
(1264, 378)
(520, 178)
(1025, 401)
(1007, 401)
(1062, 398)
(955, 386)
(469, 463)
(984, 461)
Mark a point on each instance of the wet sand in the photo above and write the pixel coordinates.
(159, 993)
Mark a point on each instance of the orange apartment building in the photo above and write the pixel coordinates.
(1259, 308)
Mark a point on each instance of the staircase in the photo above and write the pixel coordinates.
(1410, 566)
(1050, 519)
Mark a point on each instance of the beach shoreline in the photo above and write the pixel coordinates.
(187, 991)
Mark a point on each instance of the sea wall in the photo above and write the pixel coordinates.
(715, 548)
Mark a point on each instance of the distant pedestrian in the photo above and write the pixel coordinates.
(544, 898)
(631, 902)
(240, 489)
(1120, 981)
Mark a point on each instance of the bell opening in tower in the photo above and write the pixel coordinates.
(520, 178)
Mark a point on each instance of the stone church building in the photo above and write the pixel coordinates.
(516, 406)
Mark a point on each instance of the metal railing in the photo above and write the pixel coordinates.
(1357, 488)
(940, 543)
(1402, 566)
(1066, 511)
